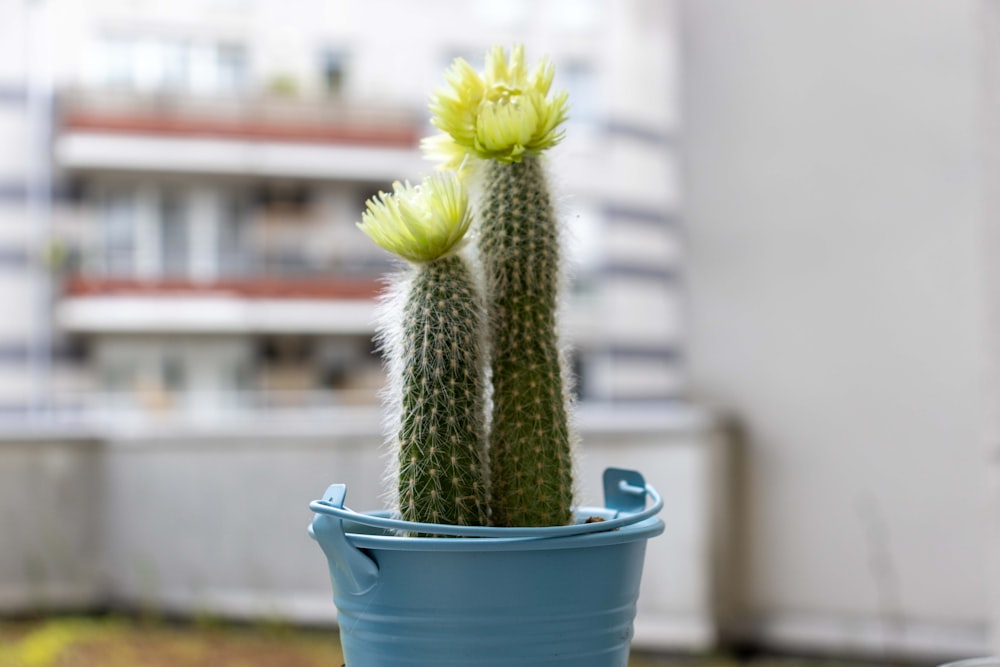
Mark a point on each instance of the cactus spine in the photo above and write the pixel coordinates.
(441, 437)
(530, 447)
(436, 365)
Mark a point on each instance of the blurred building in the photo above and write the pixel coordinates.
(180, 183)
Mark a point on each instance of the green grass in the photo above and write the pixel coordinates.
(119, 642)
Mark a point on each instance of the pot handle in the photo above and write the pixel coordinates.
(625, 491)
(354, 572)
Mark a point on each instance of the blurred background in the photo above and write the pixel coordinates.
(190, 174)
(779, 309)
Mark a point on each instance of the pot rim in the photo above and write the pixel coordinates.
(625, 492)
(365, 536)
(624, 518)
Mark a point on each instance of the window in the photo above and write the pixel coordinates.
(174, 65)
(233, 250)
(173, 232)
(218, 68)
(114, 65)
(334, 66)
(231, 68)
(147, 64)
(118, 232)
(152, 64)
(173, 373)
(174, 252)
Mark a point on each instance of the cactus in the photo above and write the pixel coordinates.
(436, 364)
(530, 454)
(507, 118)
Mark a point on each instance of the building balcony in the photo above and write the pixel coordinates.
(313, 305)
(167, 134)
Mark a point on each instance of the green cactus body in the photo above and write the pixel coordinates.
(442, 457)
(531, 472)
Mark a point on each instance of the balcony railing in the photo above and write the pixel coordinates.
(205, 407)
(251, 274)
(245, 117)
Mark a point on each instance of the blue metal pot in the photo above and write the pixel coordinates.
(490, 597)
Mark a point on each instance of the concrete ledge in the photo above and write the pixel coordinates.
(191, 518)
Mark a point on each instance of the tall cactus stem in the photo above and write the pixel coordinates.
(531, 466)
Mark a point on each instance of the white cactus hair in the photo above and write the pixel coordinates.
(389, 342)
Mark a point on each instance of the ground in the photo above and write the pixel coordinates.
(155, 642)
(104, 642)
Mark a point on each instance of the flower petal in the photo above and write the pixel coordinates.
(419, 223)
(501, 113)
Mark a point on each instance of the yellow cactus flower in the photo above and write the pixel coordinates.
(503, 113)
(419, 223)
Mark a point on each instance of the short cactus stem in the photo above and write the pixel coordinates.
(432, 333)
(442, 440)
(530, 442)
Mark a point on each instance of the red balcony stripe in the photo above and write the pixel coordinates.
(392, 136)
(248, 288)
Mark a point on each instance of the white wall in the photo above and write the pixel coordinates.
(988, 17)
(837, 301)
(51, 529)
